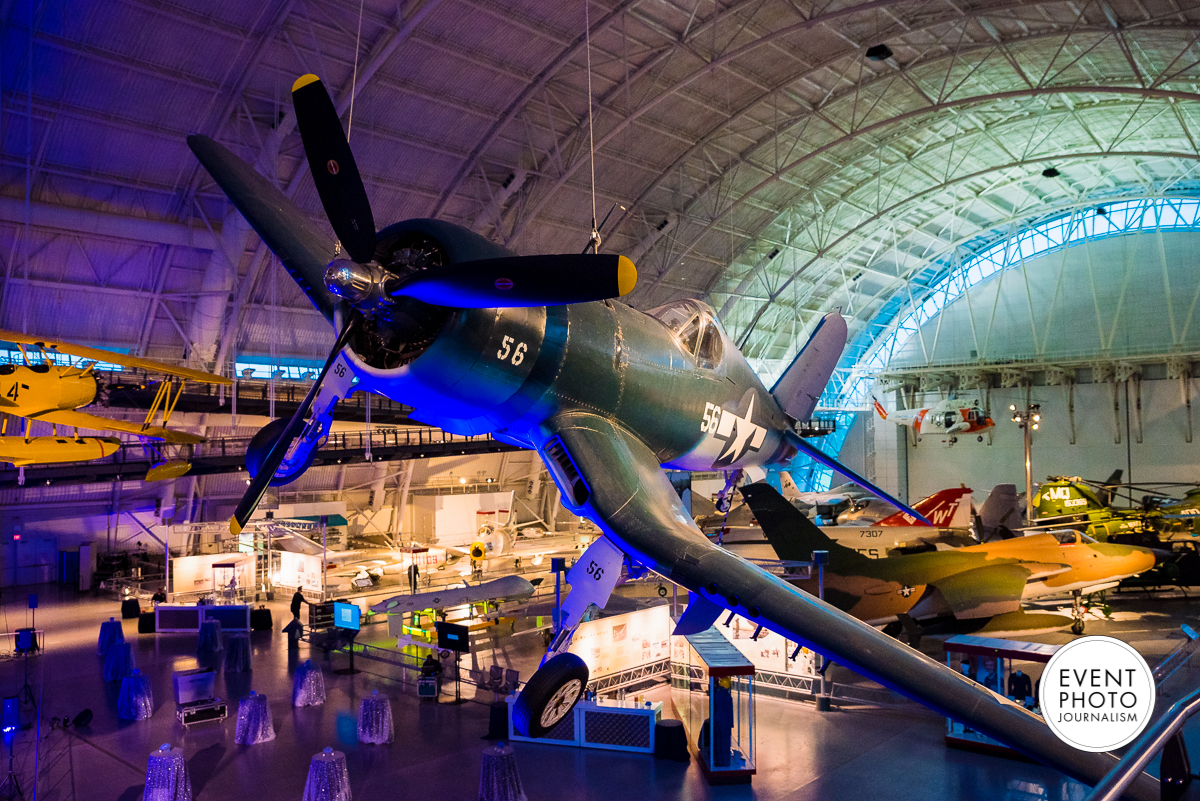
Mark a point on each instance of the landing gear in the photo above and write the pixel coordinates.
(550, 695)
(979, 438)
(1078, 610)
(662, 591)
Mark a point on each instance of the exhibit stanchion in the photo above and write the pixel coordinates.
(820, 559)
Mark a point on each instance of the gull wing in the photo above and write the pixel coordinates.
(613, 478)
(67, 417)
(100, 355)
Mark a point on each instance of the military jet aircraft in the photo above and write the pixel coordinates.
(947, 419)
(973, 582)
(536, 350)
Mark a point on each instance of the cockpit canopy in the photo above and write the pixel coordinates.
(695, 327)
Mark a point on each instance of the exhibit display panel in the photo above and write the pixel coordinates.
(1002, 666)
(614, 725)
(613, 646)
(718, 709)
(174, 618)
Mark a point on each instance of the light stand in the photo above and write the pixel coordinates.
(1028, 419)
(11, 788)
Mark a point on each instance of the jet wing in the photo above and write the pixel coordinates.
(615, 480)
(506, 587)
(100, 355)
(67, 417)
(985, 591)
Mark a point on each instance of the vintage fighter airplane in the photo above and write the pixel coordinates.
(973, 582)
(947, 419)
(45, 391)
(534, 350)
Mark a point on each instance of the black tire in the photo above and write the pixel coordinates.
(549, 695)
(662, 591)
(979, 438)
(1077, 627)
(260, 446)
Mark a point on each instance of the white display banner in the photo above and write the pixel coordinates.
(457, 518)
(195, 573)
(299, 570)
(616, 644)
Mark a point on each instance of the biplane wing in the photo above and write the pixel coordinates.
(66, 417)
(101, 355)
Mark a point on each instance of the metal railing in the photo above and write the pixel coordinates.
(1112, 786)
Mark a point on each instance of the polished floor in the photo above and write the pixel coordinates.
(802, 754)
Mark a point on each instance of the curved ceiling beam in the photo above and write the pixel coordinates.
(522, 100)
(962, 141)
(991, 97)
(712, 66)
(932, 190)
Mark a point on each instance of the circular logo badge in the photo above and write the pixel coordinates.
(504, 284)
(1097, 693)
(332, 166)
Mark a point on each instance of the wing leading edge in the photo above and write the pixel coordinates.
(619, 485)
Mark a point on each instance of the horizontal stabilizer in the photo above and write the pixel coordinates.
(798, 389)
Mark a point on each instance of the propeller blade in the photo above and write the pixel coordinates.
(816, 453)
(521, 281)
(258, 485)
(333, 168)
(304, 249)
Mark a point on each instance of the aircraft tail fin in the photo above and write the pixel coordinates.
(787, 486)
(802, 383)
(879, 408)
(1108, 488)
(941, 509)
(790, 532)
(1000, 508)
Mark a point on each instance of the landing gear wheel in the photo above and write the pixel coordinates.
(260, 446)
(979, 438)
(662, 591)
(550, 695)
(1077, 627)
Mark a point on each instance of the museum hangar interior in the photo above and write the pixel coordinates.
(516, 400)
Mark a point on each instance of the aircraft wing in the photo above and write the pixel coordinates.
(985, 591)
(67, 417)
(615, 480)
(506, 587)
(100, 355)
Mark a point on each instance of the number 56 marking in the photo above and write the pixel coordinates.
(518, 353)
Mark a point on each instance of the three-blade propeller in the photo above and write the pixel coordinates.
(485, 283)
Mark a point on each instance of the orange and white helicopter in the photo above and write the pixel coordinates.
(47, 389)
(947, 419)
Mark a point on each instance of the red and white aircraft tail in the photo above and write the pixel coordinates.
(879, 408)
(945, 509)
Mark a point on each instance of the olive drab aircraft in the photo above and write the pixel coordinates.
(537, 351)
(948, 419)
(975, 582)
(41, 389)
(1088, 505)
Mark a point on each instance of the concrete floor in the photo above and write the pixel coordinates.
(802, 754)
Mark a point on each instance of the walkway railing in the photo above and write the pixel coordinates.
(1166, 735)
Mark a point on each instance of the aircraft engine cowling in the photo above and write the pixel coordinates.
(397, 329)
(264, 440)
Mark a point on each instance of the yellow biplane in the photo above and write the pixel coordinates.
(42, 390)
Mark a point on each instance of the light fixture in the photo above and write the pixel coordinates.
(462, 481)
(879, 52)
(1012, 407)
(1035, 426)
(247, 481)
(1050, 172)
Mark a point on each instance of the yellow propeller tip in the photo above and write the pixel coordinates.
(234, 528)
(303, 81)
(626, 275)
